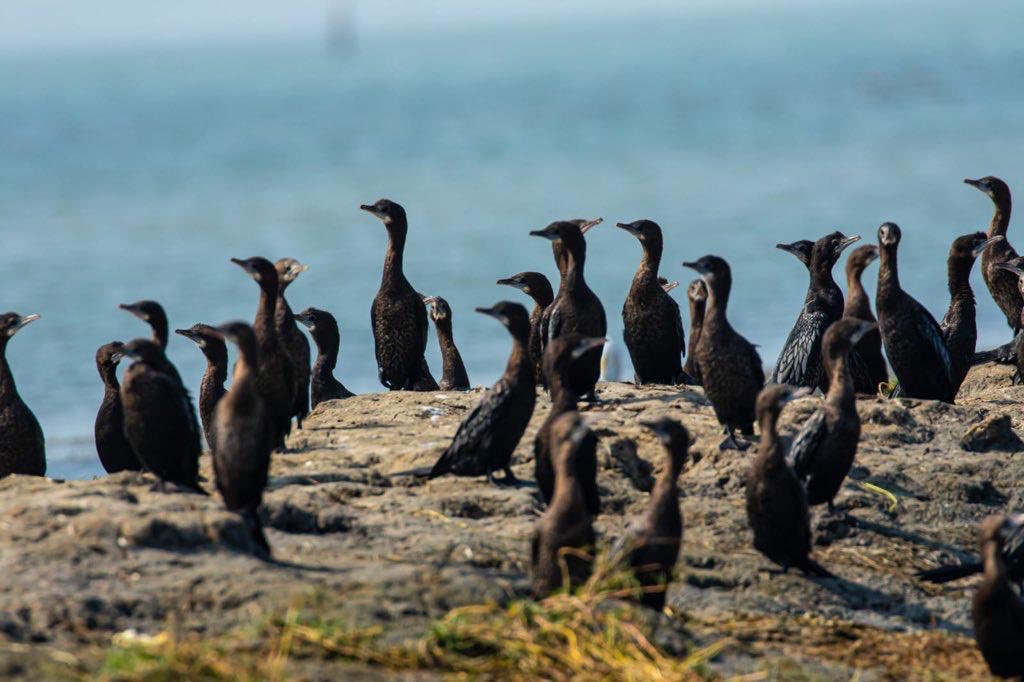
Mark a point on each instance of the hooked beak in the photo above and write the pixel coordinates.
(843, 244)
(980, 248)
(25, 320)
(587, 345)
(372, 210)
(491, 312)
(552, 236)
(587, 224)
(788, 248)
(635, 231)
(243, 264)
(187, 333)
(509, 282)
(669, 286)
(695, 266)
(974, 183)
(429, 300)
(865, 327)
(1010, 268)
(128, 307)
(297, 269)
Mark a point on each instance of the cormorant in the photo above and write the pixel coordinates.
(536, 286)
(576, 309)
(959, 325)
(652, 324)
(159, 418)
(488, 435)
(211, 386)
(112, 447)
(858, 306)
(453, 371)
(697, 295)
(776, 502)
(912, 338)
(324, 329)
(22, 446)
(823, 451)
(276, 369)
(997, 608)
(244, 435)
(1012, 549)
(730, 368)
(293, 340)
(802, 250)
(564, 535)
(398, 317)
(799, 362)
(1016, 269)
(152, 313)
(559, 359)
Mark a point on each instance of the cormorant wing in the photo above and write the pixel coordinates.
(472, 438)
(805, 445)
(545, 324)
(929, 329)
(862, 380)
(679, 325)
(800, 359)
(554, 324)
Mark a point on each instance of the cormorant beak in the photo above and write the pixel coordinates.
(669, 286)
(373, 210)
(305, 321)
(587, 224)
(844, 243)
(116, 357)
(980, 248)
(493, 313)
(295, 270)
(22, 322)
(975, 184)
(509, 282)
(187, 333)
(550, 235)
(633, 230)
(864, 328)
(788, 248)
(429, 300)
(696, 266)
(137, 312)
(587, 345)
(1010, 268)
(245, 265)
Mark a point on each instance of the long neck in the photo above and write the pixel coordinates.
(519, 364)
(245, 369)
(562, 397)
(565, 476)
(160, 331)
(958, 277)
(821, 277)
(541, 298)
(575, 260)
(327, 349)
(718, 301)
(7, 386)
(888, 272)
(770, 449)
(857, 303)
(216, 369)
(108, 373)
(1001, 217)
(995, 567)
(264, 324)
(666, 488)
(697, 313)
(840, 388)
(649, 263)
(394, 254)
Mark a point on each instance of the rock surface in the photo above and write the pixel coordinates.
(83, 560)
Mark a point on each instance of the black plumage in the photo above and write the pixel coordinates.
(776, 502)
(824, 449)
(324, 330)
(536, 286)
(1001, 285)
(564, 534)
(730, 367)
(959, 325)
(453, 370)
(697, 296)
(1011, 544)
(912, 338)
(652, 323)
(276, 369)
(22, 446)
(559, 359)
(245, 436)
(398, 317)
(997, 608)
(159, 418)
(114, 451)
(489, 434)
(858, 306)
(1016, 267)
(576, 309)
(153, 314)
(799, 362)
(293, 340)
(211, 386)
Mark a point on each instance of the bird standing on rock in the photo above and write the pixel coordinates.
(211, 386)
(730, 368)
(324, 329)
(652, 324)
(697, 296)
(398, 317)
(997, 608)
(536, 286)
(114, 451)
(858, 306)
(293, 340)
(453, 370)
(776, 501)
(153, 314)
(22, 446)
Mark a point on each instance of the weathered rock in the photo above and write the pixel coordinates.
(993, 432)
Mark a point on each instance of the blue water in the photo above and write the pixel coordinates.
(128, 174)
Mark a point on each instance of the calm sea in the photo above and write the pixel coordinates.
(128, 174)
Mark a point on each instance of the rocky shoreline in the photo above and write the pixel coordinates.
(86, 560)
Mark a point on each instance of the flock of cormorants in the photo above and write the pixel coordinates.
(147, 421)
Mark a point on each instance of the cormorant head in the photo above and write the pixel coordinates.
(439, 308)
(200, 334)
(387, 211)
(238, 332)
(526, 282)
(108, 355)
(288, 269)
(673, 436)
(311, 318)
(889, 234)
(147, 311)
(146, 351)
(697, 291)
(560, 230)
(970, 246)
(831, 246)
(997, 190)
(323, 327)
(774, 397)
(512, 315)
(12, 323)
(563, 352)
(861, 257)
(644, 230)
(666, 285)
(259, 268)
(801, 249)
(711, 268)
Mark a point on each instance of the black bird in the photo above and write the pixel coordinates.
(858, 306)
(697, 295)
(912, 338)
(1012, 548)
(211, 386)
(1001, 285)
(536, 286)
(802, 250)
(1016, 269)
(276, 369)
(562, 256)
(245, 436)
(159, 418)
(115, 452)
(564, 535)
(293, 340)
(398, 317)
(997, 608)
(654, 538)
(559, 359)
(652, 324)
(488, 435)
(324, 329)
(152, 313)
(799, 362)
(730, 368)
(959, 325)
(22, 447)
(576, 309)
(453, 370)
(776, 502)
(823, 451)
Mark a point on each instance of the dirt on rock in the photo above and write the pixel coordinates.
(84, 560)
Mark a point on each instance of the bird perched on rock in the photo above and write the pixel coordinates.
(114, 451)
(324, 330)
(858, 306)
(453, 370)
(211, 386)
(536, 286)
(697, 296)
(22, 446)
(293, 340)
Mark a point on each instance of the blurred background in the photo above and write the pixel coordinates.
(142, 145)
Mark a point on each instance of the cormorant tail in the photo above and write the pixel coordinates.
(945, 574)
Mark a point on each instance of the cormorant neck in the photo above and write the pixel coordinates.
(576, 258)
(542, 295)
(770, 448)
(821, 277)
(958, 276)
(160, 331)
(1001, 216)
(888, 272)
(718, 298)
(995, 567)
(650, 261)
(264, 323)
(108, 373)
(395, 251)
(245, 366)
(7, 386)
(840, 386)
(562, 398)
(697, 313)
(217, 368)
(327, 348)
(519, 363)
(856, 295)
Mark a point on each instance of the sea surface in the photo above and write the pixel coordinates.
(129, 173)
